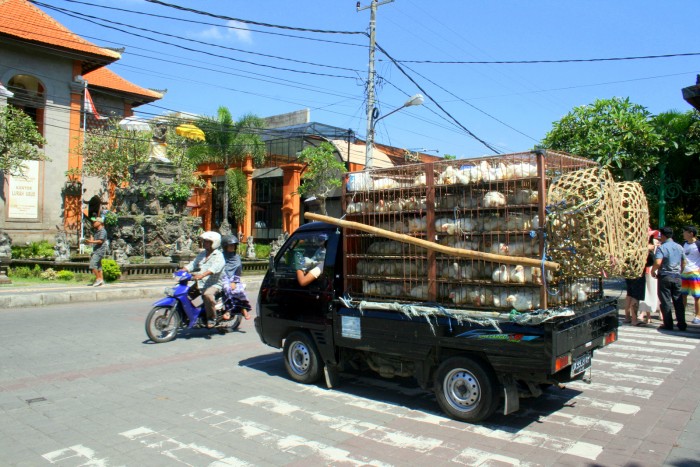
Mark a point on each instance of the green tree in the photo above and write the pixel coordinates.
(679, 159)
(227, 143)
(237, 185)
(19, 141)
(615, 132)
(110, 150)
(322, 174)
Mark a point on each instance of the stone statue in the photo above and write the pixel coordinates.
(277, 244)
(120, 251)
(158, 143)
(61, 250)
(250, 250)
(5, 245)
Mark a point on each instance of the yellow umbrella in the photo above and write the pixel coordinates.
(190, 131)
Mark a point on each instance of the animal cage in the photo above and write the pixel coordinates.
(491, 205)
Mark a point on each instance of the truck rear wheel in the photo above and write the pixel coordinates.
(301, 359)
(466, 389)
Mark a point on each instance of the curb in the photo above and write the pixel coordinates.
(29, 298)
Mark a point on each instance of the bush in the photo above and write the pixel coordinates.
(65, 275)
(262, 251)
(36, 272)
(35, 250)
(111, 270)
(20, 272)
(49, 274)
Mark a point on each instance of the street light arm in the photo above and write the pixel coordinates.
(414, 100)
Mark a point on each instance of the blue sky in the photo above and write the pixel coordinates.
(510, 106)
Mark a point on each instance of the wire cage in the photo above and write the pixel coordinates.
(490, 206)
(635, 223)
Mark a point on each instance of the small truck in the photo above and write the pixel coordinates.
(481, 279)
(471, 365)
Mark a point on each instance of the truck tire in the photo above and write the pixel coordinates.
(301, 359)
(466, 389)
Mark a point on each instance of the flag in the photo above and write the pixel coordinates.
(4, 92)
(90, 106)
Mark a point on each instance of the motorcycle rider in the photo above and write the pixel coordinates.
(207, 267)
(233, 269)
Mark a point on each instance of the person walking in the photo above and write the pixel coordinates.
(650, 304)
(690, 277)
(99, 250)
(669, 261)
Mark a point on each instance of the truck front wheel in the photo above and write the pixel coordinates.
(301, 358)
(466, 389)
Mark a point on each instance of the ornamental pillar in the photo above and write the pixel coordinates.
(248, 221)
(291, 179)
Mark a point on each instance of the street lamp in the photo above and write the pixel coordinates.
(414, 100)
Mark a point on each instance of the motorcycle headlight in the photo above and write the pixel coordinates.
(169, 291)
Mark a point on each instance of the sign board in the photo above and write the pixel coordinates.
(23, 199)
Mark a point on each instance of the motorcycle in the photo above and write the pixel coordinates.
(176, 310)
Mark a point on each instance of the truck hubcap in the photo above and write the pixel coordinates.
(462, 390)
(299, 358)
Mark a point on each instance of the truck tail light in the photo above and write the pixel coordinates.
(562, 362)
(610, 337)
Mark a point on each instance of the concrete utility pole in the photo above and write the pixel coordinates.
(370, 79)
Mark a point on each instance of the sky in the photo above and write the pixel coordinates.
(470, 109)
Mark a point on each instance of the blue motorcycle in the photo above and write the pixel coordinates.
(176, 310)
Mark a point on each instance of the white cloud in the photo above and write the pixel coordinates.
(235, 31)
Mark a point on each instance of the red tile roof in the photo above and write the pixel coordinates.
(24, 21)
(105, 78)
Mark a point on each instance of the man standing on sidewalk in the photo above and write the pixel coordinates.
(99, 240)
(669, 261)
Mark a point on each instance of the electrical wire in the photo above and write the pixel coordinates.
(245, 21)
(175, 36)
(227, 26)
(469, 132)
(530, 62)
(201, 51)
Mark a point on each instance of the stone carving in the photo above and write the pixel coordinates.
(5, 245)
(61, 250)
(277, 244)
(120, 251)
(250, 249)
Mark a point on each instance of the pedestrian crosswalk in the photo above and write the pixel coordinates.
(373, 421)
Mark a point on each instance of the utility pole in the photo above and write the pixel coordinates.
(370, 78)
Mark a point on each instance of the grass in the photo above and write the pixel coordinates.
(79, 279)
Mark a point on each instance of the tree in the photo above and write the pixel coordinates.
(19, 141)
(228, 142)
(110, 150)
(615, 132)
(678, 164)
(322, 174)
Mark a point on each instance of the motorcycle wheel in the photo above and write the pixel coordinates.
(162, 324)
(233, 324)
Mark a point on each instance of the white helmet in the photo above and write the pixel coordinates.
(213, 237)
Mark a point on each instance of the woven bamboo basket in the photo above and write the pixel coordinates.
(583, 224)
(634, 223)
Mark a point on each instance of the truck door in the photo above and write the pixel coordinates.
(309, 304)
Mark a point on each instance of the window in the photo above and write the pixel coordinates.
(30, 96)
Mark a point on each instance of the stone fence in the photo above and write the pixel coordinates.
(130, 272)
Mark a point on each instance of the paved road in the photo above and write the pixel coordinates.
(81, 385)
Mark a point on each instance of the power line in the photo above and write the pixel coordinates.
(245, 21)
(201, 51)
(215, 24)
(529, 62)
(470, 133)
(175, 36)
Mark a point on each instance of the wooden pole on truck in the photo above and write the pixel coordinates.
(503, 259)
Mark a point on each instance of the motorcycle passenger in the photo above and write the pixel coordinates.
(233, 269)
(206, 269)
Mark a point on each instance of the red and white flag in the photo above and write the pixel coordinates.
(4, 92)
(90, 106)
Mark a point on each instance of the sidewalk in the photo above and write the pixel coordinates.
(23, 296)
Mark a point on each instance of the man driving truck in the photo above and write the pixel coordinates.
(310, 268)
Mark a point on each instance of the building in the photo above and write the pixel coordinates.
(48, 68)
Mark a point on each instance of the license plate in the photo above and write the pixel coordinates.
(581, 364)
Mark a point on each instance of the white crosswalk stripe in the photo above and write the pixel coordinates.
(277, 439)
